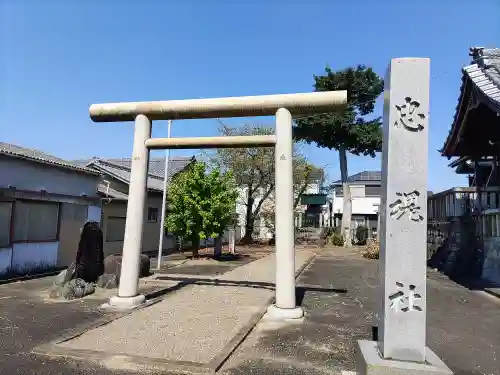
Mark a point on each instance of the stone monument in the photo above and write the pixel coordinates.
(90, 254)
(79, 279)
(401, 346)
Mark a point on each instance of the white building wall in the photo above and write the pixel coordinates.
(263, 232)
(241, 209)
(361, 206)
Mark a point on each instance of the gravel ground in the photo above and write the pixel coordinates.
(194, 323)
(191, 325)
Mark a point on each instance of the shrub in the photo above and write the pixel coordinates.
(326, 232)
(337, 239)
(373, 250)
(361, 235)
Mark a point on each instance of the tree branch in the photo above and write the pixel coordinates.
(264, 197)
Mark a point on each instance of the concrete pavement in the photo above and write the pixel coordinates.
(462, 324)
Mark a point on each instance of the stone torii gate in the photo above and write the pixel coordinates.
(143, 113)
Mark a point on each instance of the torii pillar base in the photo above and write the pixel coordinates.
(125, 303)
(280, 314)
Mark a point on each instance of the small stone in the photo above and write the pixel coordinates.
(113, 264)
(60, 278)
(55, 292)
(107, 281)
(66, 275)
(77, 288)
(70, 272)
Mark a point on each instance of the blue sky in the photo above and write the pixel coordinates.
(58, 57)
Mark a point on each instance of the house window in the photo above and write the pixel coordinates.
(36, 221)
(152, 214)
(5, 217)
(115, 229)
(74, 212)
(357, 191)
(81, 212)
(373, 191)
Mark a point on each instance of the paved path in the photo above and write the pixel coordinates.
(195, 323)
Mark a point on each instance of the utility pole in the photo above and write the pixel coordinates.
(164, 201)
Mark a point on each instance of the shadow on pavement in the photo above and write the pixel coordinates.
(299, 292)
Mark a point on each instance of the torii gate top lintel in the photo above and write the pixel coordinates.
(242, 106)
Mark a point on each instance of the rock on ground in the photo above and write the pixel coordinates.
(59, 279)
(107, 281)
(113, 264)
(66, 275)
(77, 288)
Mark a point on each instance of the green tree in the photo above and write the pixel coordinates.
(253, 170)
(347, 130)
(200, 204)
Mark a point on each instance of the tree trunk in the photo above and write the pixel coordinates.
(218, 246)
(195, 243)
(248, 238)
(249, 222)
(346, 191)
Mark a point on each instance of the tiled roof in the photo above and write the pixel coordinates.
(111, 193)
(41, 157)
(485, 73)
(484, 76)
(365, 177)
(156, 165)
(120, 168)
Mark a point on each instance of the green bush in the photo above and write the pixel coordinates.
(361, 235)
(337, 239)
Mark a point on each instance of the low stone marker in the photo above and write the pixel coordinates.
(401, 346)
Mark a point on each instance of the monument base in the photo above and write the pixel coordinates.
(370, 362)
(277, 313)
(124, 303)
